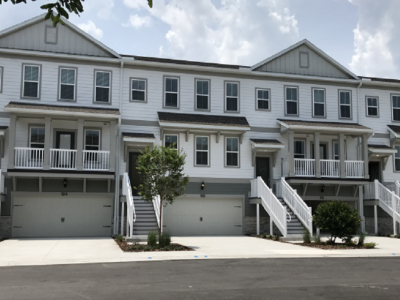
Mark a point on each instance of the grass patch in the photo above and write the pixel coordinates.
(147, 248)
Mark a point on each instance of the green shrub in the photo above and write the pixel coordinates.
(361, 240)
(152, 239)
(317, 239)
(119, 238)
(338, 218)
(370, 245)
(276, 237)
(306, 237)
(387, 234)
(264, 235)
(164, 240)
(269, 236)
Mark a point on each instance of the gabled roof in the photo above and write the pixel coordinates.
(312, 47)
(227, 121)
(324, 126)
(76, 29)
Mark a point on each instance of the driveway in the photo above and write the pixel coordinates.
(16, 252)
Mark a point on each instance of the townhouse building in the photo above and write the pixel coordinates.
(265, 144)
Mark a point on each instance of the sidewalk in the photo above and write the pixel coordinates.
(20, 252)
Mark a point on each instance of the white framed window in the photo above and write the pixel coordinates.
(92, 140)
(335, 150)
(263, 99)
(1, 79)
(372, 106)
(396, 107)
(36, 138)
(397, 159)
(291, 101)
(345, 104)
(31, 81)
(171, 140)
(67, 84)
(138, 89)
(299, 149)
(202, 149)
(232, 152)
(231, 96)
(102, 87)
(318, 102)
(171, 92)
(203, 94)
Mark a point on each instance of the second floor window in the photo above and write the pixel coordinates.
(67, 90)
(291, 101)
(318, 103)
(138, 90)
(336, 151)
(31, 84)
(92, 140)
(36, 139)
(299, 149)
(397, 159)
(396, 107)
(232, 151)
(171, 86)
(344, 105)
(231, 96)
(202, 149)
(202, 94)
(171, 140)
(372, 106)
(1, 79)
(103, 87)
(263, 99)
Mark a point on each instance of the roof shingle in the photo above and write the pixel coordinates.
(266, 141)
(395, 128)
(139, 135)
(324, 124)
(203, 119)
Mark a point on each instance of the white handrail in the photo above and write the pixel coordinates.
(330, 168)
(389, 200)
(304, 167)
(130, 211)
(297, 205)
(28, 158)
(354, 168)
(156, 205)
(96, 160)
(397, 187)
(63, 159)
(271, 204)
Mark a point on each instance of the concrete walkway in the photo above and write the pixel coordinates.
(18, 252)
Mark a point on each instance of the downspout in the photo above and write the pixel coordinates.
(358, 120)
(117, 156)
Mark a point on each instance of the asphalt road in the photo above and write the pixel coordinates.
(317, 278)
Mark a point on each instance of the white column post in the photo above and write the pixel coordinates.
(291, 153)
(376, 185)
(394, 214)
(46, 151)
(11, 140)
(122, 217)
(361, 206)
(342, 156)
(376, 219)
(271, 226)
(258, 218)
(79, 146)
(365, 155)
(113, 155)
(318, 232)
(317, 156)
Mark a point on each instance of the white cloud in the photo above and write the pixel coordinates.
(235, 31)
(90, 28)
(102, 8)
(136, 21)
(376, 38)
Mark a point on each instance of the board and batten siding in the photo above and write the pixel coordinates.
(289, 63)
(69, 41)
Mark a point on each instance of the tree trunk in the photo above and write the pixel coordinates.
(160, 225)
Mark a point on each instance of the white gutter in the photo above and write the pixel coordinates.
(209, 127)
(117, 156)
(34, 111)
(326, 129)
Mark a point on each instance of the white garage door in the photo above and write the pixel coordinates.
(53, 215)
(204, 216)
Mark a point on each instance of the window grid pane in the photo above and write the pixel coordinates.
(37, 137)
(67, 84)
(372, 106)
(232, 152)
(299, 149)
(231, 96)
(202, 94)
(171, 92)
(263, 99)
(319, 102)
(92, 140)
(138, 90)
(202, 150)
(31, 81)
(291, 101)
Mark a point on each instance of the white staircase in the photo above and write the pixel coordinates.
(294, 226)
(145, 218)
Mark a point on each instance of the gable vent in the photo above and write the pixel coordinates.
(51, 35)
(304, 61)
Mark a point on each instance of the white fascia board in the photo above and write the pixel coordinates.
(138, 140)
(209, 127)
(382, 151)
(380, 83)
(22, 25)
(266, 146)
(396, 136)
(326, 129)
(59, 55)
(60, 113)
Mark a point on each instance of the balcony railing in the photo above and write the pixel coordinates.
(354, 168)
(62, 159)
(28, 158)
(304, 167)
(330, 168)
(96, 160)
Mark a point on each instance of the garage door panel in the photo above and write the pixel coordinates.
(220, 216)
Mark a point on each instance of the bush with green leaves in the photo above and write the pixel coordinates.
(317, 239)
(338, 218)
(152, 239)
(306, 237)
(119, 238)
(164, 240)
(370, 245)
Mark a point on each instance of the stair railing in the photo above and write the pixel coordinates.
(130, 205)
(271, 204)
(397, 187)
(390, 200)
(156, 205)
(297, 205)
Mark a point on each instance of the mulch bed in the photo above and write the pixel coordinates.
(145, 248)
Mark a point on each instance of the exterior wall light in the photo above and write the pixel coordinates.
(202, 185)
(65, 182)
(323, 188)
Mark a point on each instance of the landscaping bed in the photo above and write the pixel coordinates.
(146, 248)
(326, 246)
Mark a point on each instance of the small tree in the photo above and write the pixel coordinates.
(161, 171)
(338, 218)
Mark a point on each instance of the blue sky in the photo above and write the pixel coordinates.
(360, 34)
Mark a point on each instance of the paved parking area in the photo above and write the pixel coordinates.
(16, 252)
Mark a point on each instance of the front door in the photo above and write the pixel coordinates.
(322, 151)
(65, 140)
(262, 169)
(134, 175)
(64, 159)
(374, 170)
